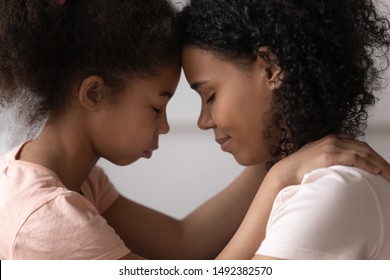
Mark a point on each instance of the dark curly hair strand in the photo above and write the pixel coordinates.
(326, 49)
(46, 47)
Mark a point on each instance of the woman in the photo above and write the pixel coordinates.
(274, 76)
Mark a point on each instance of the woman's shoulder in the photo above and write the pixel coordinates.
(347, 192)
(345, 177)
(332, 206)
(345, 185)
(347, 189)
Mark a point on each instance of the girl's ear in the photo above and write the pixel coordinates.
(273, 72)
(92, 92)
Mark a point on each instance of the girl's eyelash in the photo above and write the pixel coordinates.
(158, 110)
(211, 98)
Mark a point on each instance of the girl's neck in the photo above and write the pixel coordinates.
(63, 148)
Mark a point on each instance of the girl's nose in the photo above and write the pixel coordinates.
(163, 127)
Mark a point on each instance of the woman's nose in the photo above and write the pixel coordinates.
(205, 120)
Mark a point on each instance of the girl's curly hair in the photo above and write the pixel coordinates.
(326, 49)
(46, 45)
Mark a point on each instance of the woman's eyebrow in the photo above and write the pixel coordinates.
(196, 85)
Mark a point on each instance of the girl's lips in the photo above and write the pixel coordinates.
(147, 154)
(224, 142)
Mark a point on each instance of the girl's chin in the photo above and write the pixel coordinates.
(123, 161)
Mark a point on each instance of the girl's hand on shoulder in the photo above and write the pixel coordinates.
(328, 151)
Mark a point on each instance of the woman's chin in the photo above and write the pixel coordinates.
(244, 161)
(249, 160)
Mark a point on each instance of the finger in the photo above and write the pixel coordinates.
(385, 170)
(376, 159)
(335, 150)
(364, 151)
(372, 163)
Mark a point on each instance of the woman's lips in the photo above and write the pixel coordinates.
(224, 142)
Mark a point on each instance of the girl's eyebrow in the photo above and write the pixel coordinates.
(196, 85)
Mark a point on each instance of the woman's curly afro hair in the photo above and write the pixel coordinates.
(47, 45)
(326, 49)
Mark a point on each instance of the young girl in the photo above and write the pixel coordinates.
(273, 76)
(102, 73)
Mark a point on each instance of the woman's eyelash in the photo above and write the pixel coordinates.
(211, 98)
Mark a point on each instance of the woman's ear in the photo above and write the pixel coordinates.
(273, 72)
(92, 92)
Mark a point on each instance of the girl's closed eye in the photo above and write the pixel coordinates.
(157, 109)
(210, 99)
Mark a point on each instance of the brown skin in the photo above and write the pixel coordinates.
(235, 103)
(71, 144)
(94, 126)
(200, 235)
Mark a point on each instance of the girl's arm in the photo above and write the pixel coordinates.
(201, 235)
(252, 230)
